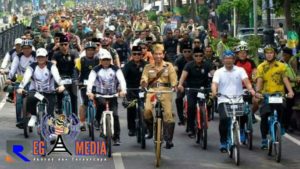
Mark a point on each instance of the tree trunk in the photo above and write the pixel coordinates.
(179, 3)
(287, 14)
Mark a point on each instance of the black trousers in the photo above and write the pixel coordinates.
(131, 112)
(31, 103)
(73, 94)
(265, 112)
(113, 106)
(192, 101)
(179, 105)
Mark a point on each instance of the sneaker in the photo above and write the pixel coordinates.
(264, 144)
(32, 121)
(20, 125)
(9, 100)
(53, 138)
(96, 125)
(116, 142)
(131, 133)
(192, 134)
(223, 147)
(82, 127)
(242, 136)
(181, 123)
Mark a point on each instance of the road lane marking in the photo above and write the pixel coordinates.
(3, 102)
(118, 161)
(286, 135)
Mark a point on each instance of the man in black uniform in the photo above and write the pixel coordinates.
(180, 62)
(195, 74)
(132, 72)
(170, 44)
(84, 66)
(65, 62)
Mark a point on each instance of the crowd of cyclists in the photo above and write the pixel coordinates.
(110, 52)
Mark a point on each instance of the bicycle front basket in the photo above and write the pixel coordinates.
(239, 109)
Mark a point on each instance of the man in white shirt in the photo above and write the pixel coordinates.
(106, 77)
(18, 67)
(228, 81)
(42, 75)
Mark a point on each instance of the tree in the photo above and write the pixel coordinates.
(290, 9)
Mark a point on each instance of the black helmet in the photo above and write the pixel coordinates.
(90, 44)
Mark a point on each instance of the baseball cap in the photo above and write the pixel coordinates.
(41, 52)
(18, 41)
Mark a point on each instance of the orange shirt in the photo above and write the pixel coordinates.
(148, 57)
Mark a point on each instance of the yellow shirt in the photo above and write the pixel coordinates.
(272, 77)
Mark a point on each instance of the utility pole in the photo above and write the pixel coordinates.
(234, 21)
(255, 16)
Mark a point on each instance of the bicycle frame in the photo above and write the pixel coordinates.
(107, 112)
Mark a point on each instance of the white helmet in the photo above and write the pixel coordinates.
(41, 52)
(104, 54)
(243, 46)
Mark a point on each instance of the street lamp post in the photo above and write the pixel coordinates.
(268, 31)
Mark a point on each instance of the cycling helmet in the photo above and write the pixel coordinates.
(270, 47)
(27, 43)
(104, 54)
(228, 53)
(241, 48)
(90, 44)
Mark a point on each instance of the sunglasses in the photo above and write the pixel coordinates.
(64, 44)
(198, 55)
(98, 44)
(136, 54)
(187, 51)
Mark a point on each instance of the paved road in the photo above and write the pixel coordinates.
(186, 154)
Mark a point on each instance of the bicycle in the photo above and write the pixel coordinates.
(90, 112)
(140, 129)
(201, 116)
(158, 123)
(107, 121)
(249, 121)
(233, 109)
(41, 112)
(275, 132)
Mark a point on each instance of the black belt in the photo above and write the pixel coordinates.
(157, 84)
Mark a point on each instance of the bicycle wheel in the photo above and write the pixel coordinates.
(91, 127)
(270, 147)
(138, 125)
(277, 142)
(142, 129)
(108, 135)
(25, 125)
(198, 128)
(249, 131)
(236, 144)
(203, 127)
(158, 141)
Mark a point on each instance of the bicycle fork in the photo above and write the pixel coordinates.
(103, 120)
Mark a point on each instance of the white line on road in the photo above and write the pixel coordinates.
(289, 137)
(118, 161)
(2, 102)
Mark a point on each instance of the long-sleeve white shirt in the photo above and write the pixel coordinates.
(42, 79)
(19, 65)
(104, 79)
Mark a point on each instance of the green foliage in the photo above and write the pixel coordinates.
(254, 42)
(231, 43)
(203, 12)
(151, 15)
(69, 4)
